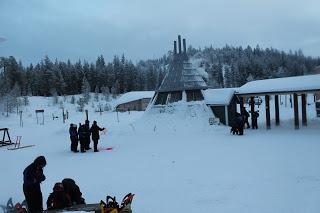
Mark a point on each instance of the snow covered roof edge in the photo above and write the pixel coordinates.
(288, 84)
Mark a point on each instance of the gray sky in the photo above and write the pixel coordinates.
(143, 29)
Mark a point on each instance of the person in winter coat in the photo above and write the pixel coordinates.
(58, 199)
(82, 137)
(255, 116)
(73, 190)
(239, 123)
(87, 130)
(32, 177)
(73, 137)
(246, 116)
(95, 134)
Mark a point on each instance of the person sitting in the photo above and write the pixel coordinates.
(58, 199)
(73, 190)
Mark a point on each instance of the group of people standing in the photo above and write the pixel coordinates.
(242, 120)
(65, 193)
(82, 135)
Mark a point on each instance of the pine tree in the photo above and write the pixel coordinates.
(85, 90)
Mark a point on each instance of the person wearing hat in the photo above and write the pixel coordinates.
(32, 177)
(95, 134)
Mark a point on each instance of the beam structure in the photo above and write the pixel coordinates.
(276, 105)
(296, 111)
(267, 100)
(304, 109)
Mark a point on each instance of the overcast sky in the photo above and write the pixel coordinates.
(143, 29)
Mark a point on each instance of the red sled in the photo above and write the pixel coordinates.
(105, 148)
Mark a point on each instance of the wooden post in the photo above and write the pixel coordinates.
(21, 122)
(117, 115)
(241, 105)
(267, 100)
(276, 104)
(63, 116)
(304, 109)
(87, 116)
(285, 101)
(290, 100)
(296, 111)
(252, 104)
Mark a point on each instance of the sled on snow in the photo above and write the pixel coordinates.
(17, 144)
(110, 206)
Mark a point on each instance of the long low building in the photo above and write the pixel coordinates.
(134, 101)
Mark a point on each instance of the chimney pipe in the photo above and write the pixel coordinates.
(184, 46)
(179, 43)
(175, 47)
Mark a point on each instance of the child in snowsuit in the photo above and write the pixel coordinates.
(32, 177)
(239, 123)
(255, 116)
(87, 130)
(73, 190)
(73, 137)
(82, 137)
(58, 199)
(95, 134)
(246, 116)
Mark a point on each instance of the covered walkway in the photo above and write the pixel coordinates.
(297, 86)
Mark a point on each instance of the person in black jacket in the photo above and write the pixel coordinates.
(32, 177)
(255, 116)
(82, 137)
(58, 199)
(87, 130)
(246, 116)
(95, 134)
(239, 123)
(73, 137)
(73, 190)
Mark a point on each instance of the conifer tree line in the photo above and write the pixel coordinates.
(226, 67)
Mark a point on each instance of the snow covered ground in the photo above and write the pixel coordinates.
(179, 166)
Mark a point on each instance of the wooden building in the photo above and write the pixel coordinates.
(297, 86)
(182, 82)
(223, 103)
(134, 101)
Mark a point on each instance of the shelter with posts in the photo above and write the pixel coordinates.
(298, 87)
(223, 103)
(182, 82)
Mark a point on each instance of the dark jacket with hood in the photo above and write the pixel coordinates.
(95, 131)
(33, 174)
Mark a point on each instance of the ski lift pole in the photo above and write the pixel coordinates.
(117, 115)
(21, 122)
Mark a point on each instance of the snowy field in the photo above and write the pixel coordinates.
(177, 166)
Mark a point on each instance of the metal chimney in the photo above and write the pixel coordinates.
(179, 43)
(184, 46)
(175, 47)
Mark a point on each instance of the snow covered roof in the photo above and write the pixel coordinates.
(279, 85)
(219, 96)
(133, 96)
(182, 76)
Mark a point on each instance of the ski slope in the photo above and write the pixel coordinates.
(182, 165)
